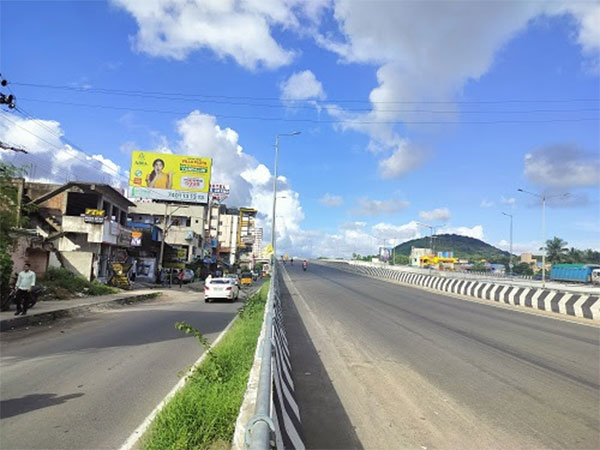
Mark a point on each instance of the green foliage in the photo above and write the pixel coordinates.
(401, 259)
(203, 413)
(556, 250)
(62, 284)
(522, 269)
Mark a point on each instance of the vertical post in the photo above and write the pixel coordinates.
(544, 241)
(274, 197)
(510, 263)
(162, 241)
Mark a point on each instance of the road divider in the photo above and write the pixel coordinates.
(584, 305)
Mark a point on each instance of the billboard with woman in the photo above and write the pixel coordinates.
(164, 176)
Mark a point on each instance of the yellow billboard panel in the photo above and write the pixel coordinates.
(170, 177)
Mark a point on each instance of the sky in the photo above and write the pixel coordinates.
(413, 114)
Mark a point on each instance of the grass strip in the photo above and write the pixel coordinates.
(202, 414)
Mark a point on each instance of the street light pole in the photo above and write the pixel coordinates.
(273, 244)
(510, 263)
(543, 197)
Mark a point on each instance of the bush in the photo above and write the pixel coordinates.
(62, 284)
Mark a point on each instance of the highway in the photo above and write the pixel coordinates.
(379, 365)
(89, 382)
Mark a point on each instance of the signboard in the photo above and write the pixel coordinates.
(136, 238)
(124, 238)
(94, 215)
(163, 176)
(219, 191)
(385, 254)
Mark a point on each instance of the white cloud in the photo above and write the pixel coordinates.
(302, 86)
(435, 214)
(51, 160)
(486, 203)
(331, 200)
(367, 207)
(474, 232)
(508, 201)
(562, 166)
(404, 158)
(520, 247)
(242, 30)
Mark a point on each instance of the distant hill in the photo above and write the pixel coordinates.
(463, 247)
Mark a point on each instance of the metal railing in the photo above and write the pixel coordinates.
(260, 426)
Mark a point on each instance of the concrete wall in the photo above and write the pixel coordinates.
(197, 214)
(78, 262)
(22, 253)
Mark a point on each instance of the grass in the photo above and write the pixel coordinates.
(202, 414)
(61, 284)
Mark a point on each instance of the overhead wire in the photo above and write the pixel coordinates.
(212, 96)
(320, 121)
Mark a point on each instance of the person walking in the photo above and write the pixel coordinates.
(180, 276)
(25, 281)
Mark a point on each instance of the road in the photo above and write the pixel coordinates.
(401, 367)
(88, 383)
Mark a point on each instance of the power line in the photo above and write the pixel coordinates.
(172, 95)
(319, 121)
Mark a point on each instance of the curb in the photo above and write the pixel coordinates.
(45, 317)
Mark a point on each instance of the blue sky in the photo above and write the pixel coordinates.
(432, 112)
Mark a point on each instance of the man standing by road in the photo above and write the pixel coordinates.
(25, 281)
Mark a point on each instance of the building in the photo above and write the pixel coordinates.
(246, 234)
(227, 235)
(257, 245)
(531, 260)
(183, 231)
(416, 254)
(84, 223)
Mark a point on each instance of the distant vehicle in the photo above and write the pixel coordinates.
(246, 279)
(581, 273)
(537, 276)
(188, 275)
(221, 288)
(233, 276)
(255, 276)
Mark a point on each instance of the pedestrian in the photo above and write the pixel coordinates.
(180, 278)
(25, 281)
(133, 272)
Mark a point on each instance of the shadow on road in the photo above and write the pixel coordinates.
(324, 420)
(15, 406)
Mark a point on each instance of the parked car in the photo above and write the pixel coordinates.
(246, 278)
(220, 288)
(188, 275)
(233, 276)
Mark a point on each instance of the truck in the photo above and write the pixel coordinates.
(581, 273)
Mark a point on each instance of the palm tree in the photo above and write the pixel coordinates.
(556, 249)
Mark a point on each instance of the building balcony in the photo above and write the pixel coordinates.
(104, 232)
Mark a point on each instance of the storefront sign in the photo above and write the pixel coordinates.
(94, 216)
(136, 238)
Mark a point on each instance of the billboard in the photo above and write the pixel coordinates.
(385, 254)
(163, 176)
(219, 191)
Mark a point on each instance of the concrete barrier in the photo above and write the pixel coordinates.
(579, 304)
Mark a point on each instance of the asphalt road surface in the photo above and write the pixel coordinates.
(88, 383)
(379, 365)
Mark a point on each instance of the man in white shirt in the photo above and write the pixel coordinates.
(25, 281)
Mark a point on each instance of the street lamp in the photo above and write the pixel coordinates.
(510, 263)
(273, 245)
(432, 228)
(544, 197)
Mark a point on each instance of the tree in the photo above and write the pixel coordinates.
(401, 259)
(9, 215)
(556, 250)
(523, 269)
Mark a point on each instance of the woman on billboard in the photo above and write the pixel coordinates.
(159, 179)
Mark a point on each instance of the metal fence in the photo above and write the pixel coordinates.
(276, 421)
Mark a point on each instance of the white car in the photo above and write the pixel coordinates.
(220, 288)
(233, 276)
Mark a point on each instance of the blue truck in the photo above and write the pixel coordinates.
(581, 273)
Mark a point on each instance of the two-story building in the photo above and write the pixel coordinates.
(84, 222)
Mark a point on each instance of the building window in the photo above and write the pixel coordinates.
(188, 222)
(157, 220)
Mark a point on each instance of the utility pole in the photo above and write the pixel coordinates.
(510, 263)
(543, 197)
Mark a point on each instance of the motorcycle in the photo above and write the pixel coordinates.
(36, 291)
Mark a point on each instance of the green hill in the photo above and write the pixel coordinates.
(463, 247)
